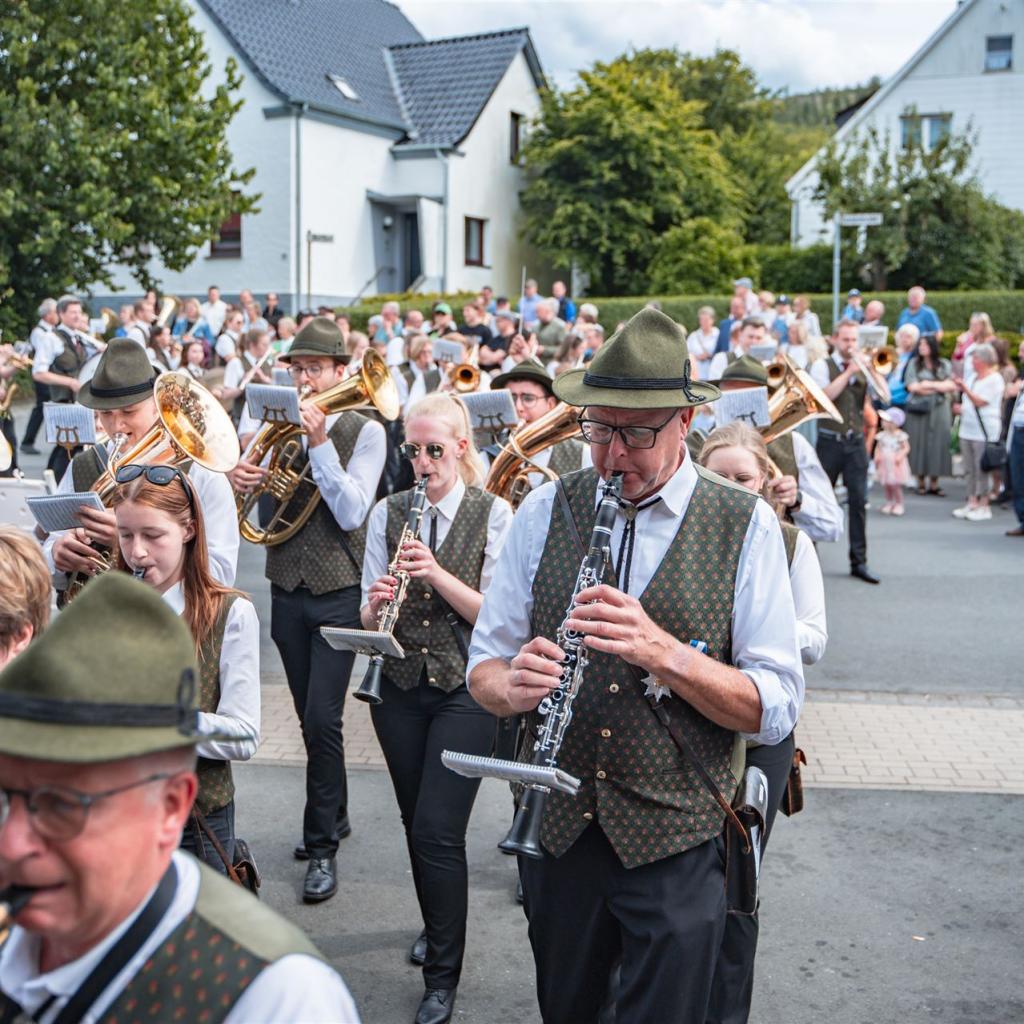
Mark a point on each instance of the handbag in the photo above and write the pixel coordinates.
(918, 404)
(243, 871)
(993, 457)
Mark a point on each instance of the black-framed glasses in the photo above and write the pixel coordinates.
(632, 436)
(159, 475)
(411, 451)
(528, 400)
(313, 370)
(58, 812)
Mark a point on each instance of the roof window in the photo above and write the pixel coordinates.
(343, 87)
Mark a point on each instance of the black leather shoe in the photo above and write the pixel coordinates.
(342, 830)
(418, 950)
(321, 880)
(437, 1006)
(862, 572)
(29, 449)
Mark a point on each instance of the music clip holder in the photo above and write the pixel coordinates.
(69, 425)
(475, 766)
(491, 413)
(370, 642)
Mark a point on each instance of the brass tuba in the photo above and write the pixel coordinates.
(169, 306)
(509, 475)
(373, 386)
(795, 399)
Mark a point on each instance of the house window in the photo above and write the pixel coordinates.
(228, 242)
(515, 136)
(999, 53)
(925, 131)
(343, 87)
(475, 229)
(910, 131)
(938, 128)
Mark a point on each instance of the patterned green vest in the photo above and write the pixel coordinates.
(566, 457)
(68, 363)
(782, 453)
(851, 402)
(85, 469)
(790, 533)
(422, 630)
(431, 379)
(216, 784)
(315, 557)
(205, 965)
(647, 800)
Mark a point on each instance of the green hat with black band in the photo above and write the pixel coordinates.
(745, 370)
(115, 676)
(528, 369)
(644, 365)
(320, 337)
(123, 377)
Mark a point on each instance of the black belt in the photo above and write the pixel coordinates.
(846, 435)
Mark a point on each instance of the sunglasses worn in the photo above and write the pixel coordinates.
(600, 433)
(159, 475)
(411, 451)
(59, 813)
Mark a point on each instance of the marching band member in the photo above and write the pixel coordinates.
(122, 394)
(97, 780)
(255, 345)
(417, 376)
(162, 538)
(61, 376)
(632, 867)
(7, 432)
(751, 334)
(737, 452)
(426, 707)
(142, 323)
(25, 596)
(164, 352)
(803, 490)
(315, 577)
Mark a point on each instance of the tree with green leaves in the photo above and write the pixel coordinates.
(940, 228)
(699, 256)
(613, 164)
(113, 146)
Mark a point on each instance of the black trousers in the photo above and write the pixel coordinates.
(318, 678)
(413, 727)
(848, 456)
(734, 974)
(222, 825)
(664, 921)
(11, 436)
(35, 420)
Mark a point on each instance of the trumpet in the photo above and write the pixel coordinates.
(369, 690)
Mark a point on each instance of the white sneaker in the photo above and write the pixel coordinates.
(977, 515)
(962, 513)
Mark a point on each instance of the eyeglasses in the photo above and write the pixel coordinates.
(597, 432)
(159, 475)
(528, 400)
(313, 370)
(58, 813)
(411, 451)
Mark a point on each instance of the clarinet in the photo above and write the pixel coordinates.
(556, 709)
(369, 690)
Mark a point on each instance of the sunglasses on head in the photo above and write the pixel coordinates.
(411, 451)
(159, 475)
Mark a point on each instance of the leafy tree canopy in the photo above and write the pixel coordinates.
(112, 145)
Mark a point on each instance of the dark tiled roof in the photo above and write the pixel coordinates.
(443, 84)
(292, 45)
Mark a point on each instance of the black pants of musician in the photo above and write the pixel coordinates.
(413, 727)
(318, 678)
(11, 436)
(35, 420)
(734, 974)
(846, 455)
(222, 824)
(664, 921)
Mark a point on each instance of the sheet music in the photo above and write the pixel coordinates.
(273, 404)
(282, 378)
(872, 337)
(749, 404)
(491, 410)
(58, 512)
(447, 351)
(763, 353)
(69, 424)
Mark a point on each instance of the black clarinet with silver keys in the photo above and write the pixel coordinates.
(542, 774)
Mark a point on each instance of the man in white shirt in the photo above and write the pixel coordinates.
(100, 757)
(214, 309)
(630, 867)
(45, 348)
(138, 330)
(752, 333)
(701, 342)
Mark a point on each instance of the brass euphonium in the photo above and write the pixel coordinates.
(796, 398)
(282, 442)
(509, 475)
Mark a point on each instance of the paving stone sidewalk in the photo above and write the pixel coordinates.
(853, 739)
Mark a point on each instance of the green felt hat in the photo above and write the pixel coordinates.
(528, 369)
(123, 377)
(320, 337)
(644, 365)
(744, 369)
(115, 676)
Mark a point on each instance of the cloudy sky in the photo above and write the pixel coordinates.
(794, 44)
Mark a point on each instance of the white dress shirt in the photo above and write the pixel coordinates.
(395, 352)
(809, 602)
(820, 516)
(764, 641)
(46, 346)
(409, 393)
(349, 492)
(227, 346)
(217, 500)
(214, 313)
(720, 362)
(297, 987)
(700, 344)
(377, 557)
(238, 710)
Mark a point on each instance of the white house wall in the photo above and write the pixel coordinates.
(268, 238)
(950, 79)
(484, 183)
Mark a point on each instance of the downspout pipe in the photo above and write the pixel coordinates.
(300, 109)
(444, 222)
